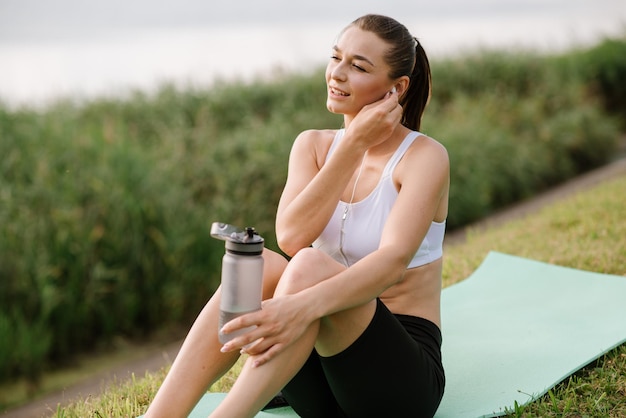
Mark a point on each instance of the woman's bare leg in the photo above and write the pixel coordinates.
(257, 385)
(200, 363)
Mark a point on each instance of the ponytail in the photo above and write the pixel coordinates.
(416, 98)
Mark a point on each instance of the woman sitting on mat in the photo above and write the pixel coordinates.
(350, 326)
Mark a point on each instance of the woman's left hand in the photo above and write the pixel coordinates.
(279, 323)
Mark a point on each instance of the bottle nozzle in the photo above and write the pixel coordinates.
(250, 233)
(247, 240)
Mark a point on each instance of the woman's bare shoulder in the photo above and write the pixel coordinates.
(424, 158)
(316, 142)
(425, 147)
(317, 135)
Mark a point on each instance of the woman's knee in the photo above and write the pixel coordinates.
(307, 268)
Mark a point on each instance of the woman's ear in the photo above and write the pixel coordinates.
(402, 85)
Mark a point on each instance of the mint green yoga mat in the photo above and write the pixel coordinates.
(516, 327)
(513, 330)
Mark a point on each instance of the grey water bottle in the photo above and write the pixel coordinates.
(242, 274)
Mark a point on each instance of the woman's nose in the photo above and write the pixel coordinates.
(338, 72)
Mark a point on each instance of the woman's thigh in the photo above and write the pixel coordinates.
(384, 373)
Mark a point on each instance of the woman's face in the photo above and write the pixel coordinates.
(356, 74)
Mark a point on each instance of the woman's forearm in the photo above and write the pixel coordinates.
(304, 213)
(360, 283)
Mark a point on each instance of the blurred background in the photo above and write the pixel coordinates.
(128, 127)
(85, 48)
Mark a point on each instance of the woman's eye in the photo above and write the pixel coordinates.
(356, 66)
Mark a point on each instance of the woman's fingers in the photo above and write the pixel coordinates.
(267, 355)
(243, 340)
(261, 345)
(272, 330)
(241, 322)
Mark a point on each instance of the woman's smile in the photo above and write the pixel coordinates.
(337, 92)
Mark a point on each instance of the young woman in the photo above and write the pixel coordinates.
(351, 325)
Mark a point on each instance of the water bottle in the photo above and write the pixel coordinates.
(242, 274)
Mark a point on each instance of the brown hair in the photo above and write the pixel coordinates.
(405, 57)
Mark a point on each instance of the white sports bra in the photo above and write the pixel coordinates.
(365, 221)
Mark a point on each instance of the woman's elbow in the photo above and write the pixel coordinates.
(396, 264)
(289, 243)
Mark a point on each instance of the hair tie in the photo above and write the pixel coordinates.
(415, 42)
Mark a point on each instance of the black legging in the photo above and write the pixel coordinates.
(393, 369)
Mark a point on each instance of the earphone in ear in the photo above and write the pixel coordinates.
(393, 90)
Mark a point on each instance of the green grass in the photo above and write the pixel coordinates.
(585, 231)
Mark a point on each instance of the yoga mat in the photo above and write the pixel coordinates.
(210, 401)
(512, 331)
(516, 327)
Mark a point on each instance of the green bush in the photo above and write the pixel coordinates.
(105, 206)
(515, 124)
(503, 149)
(604, 67)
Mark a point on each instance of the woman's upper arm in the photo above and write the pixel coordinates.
(301, 169)
(423, 197)
(305, 161)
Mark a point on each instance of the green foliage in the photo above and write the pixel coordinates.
(28, 348)
(513, 125)
(504, 148)
(84, 226)
(604, 67)
(105, 206)
(476, 73)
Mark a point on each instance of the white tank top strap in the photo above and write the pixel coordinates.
(397, 156)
